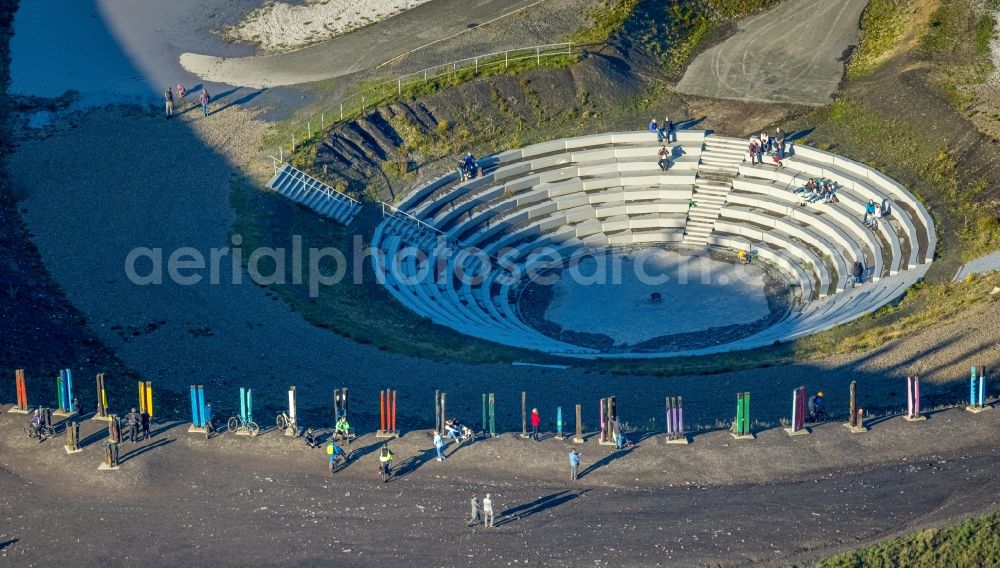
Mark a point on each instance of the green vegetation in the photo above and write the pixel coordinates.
(970, 544)
(960, 63)
(674, 30)
(884, 27)
(923, 306)
(607, 19)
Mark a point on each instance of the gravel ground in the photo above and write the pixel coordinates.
(157, 183)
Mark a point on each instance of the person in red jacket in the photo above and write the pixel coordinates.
(536, 421)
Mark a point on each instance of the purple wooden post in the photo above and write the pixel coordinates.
(909, 397)
(680, 415)
(916, 396)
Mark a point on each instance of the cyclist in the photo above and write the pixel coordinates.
(385, 461)
(817, 408)
(335, 453)
(342, 428)
(35, 422)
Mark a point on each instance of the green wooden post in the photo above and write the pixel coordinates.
(854, 404)
(493, 424)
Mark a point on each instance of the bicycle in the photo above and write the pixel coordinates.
(43, 432)
(209, 428)
(283, 421)
(385, 470)
(338, 463)
(239, 423)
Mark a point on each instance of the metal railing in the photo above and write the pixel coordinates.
(358, 104)
(322, 187)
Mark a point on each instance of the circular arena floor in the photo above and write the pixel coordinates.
(561, 246)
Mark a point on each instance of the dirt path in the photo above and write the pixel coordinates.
(234, 501)
(794, 53)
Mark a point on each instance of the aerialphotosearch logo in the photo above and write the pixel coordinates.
(407, 266)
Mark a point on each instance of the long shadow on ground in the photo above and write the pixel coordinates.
(605, 461)
(141, 450)
(545, 503)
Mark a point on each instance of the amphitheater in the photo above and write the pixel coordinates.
(460, 252)
(581, 195)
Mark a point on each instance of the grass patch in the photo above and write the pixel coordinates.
(970, 544)
(607, 18)
(885, 27)
(959, 62)
(924, 306)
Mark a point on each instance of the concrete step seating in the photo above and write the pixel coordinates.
(579, 195)
(314, 194)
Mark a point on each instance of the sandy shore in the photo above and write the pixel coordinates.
(280, 26)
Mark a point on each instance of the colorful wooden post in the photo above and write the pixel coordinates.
(199, 416)
(524, 414)
(339, 403)
(913, 399)
(798, 425)
(493, 422)
(977, 391)
(484, 423)
(293, 413)
(609, 413)
(675, 421)
(72, 438)
(146, 397)
(102, 399)
(20, 385)
(856, 422)
(578, 439)
(387, 414)
(438, 423)
(741, 426)
(559, 424)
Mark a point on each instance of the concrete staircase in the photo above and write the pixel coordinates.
(719, 164)
(314, 194)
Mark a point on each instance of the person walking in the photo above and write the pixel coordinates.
(574, 464)
(204, 99)
(144, 419)
(488, 511)
(168, 102)
(439, 445)
(753, 150)
(180, 90)
(473, 511)
(536, 421)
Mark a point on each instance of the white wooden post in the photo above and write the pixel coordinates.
(538, 55)
(505, 55)
(399, 87)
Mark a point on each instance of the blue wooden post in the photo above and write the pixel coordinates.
(243, 403)
(249, 405)
(194, 407)
(972, 387)
(69, 391)
(559, 423)
(201, 406)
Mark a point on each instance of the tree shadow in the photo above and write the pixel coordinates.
(617, 454)
(6, 544)
(413, 463)
(143, 449)
(545, 503)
